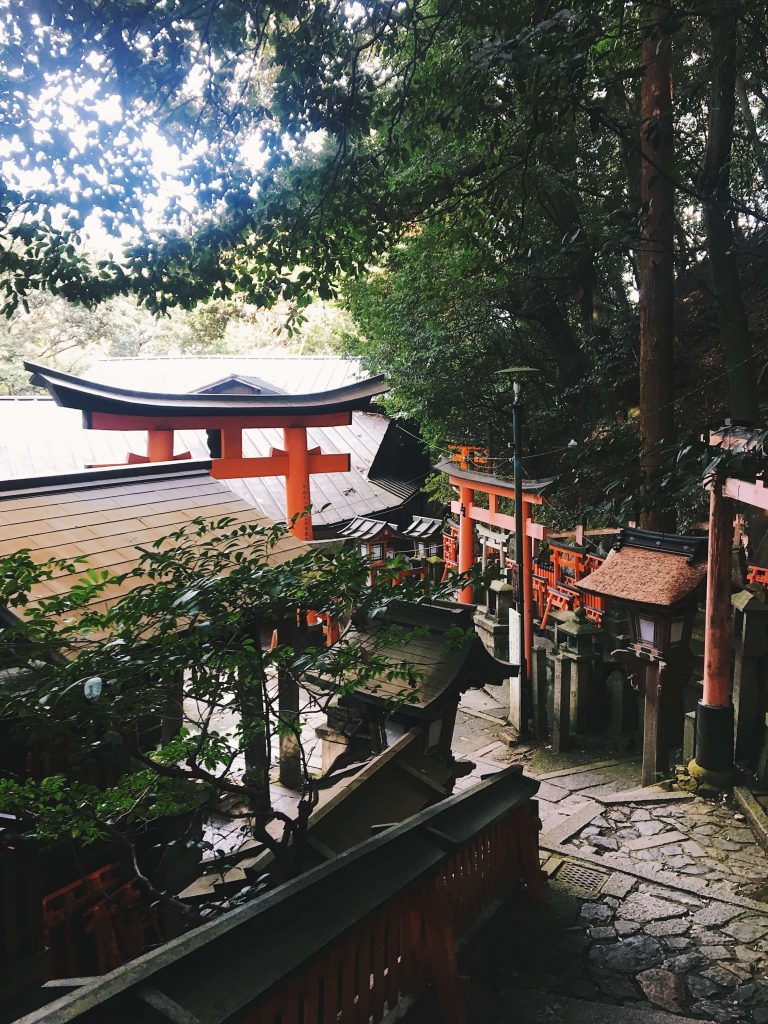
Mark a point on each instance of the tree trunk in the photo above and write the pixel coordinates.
(657, 274)
(254, 722)
(715, 187)
(291, 773)
(758, 147)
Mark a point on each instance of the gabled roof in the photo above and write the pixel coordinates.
(449, 665)
(106, 515)
(238, 384)
(650, 568)
(424, 528)
(368, 529)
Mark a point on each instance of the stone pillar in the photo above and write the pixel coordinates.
(579, 633)
(750, 642)
(561, 715)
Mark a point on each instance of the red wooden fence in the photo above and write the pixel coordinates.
(411, 942)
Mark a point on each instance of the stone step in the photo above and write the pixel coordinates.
(527, 1006)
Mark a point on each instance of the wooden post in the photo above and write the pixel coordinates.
(466, 540)
(160, 445)
(655, 753)
(297, 493)
(232, 443)
(714, 715)
(717, 616)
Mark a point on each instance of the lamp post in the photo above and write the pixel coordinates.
(526, 695)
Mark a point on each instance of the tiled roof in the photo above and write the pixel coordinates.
(422, 528)
(105, 514)
(367, 529)
(445, 665)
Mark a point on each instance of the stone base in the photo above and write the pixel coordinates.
(707, 777)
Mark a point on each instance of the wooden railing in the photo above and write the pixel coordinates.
(411, 942)
(349, 940)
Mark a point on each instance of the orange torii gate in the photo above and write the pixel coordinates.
(468, 483)
(111, 408)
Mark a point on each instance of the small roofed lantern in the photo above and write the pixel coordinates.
(658, 577)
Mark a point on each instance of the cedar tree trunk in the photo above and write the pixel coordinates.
(657, 274)
(715, 187)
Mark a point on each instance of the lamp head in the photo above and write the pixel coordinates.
(517, 373)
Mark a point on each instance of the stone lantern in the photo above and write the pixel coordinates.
(658, 578)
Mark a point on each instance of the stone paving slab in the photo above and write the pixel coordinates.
(531, 1007)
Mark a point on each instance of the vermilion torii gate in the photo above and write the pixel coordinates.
(468, 483)
(111, 408)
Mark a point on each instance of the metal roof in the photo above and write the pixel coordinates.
(295, 375)
(239, 384)
(367, 529)
(38, 438)
(104, 515)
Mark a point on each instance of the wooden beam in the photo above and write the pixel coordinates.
(751, 494)
(504, 522)
(276, 464)
(717, 611)
(498, 490)
(119, 421)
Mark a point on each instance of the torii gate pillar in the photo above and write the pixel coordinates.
(297, 493)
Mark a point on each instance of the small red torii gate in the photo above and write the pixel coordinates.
(468, 483)
(110, 408)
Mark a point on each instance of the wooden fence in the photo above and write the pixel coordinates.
(347, 941)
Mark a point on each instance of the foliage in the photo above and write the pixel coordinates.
(200, 607)
(57, 333)
(484, 158)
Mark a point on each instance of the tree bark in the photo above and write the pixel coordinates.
(758, 147)
(715, 187)
(657, 272)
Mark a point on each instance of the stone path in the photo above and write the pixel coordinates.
(652, 907)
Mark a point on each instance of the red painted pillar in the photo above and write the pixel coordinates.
(717, 622)
(714, 714)
(297, 495)
(466, 540)
(160, 445)
(528, 584)
(231, 443)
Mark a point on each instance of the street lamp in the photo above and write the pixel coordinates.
(519, 373)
